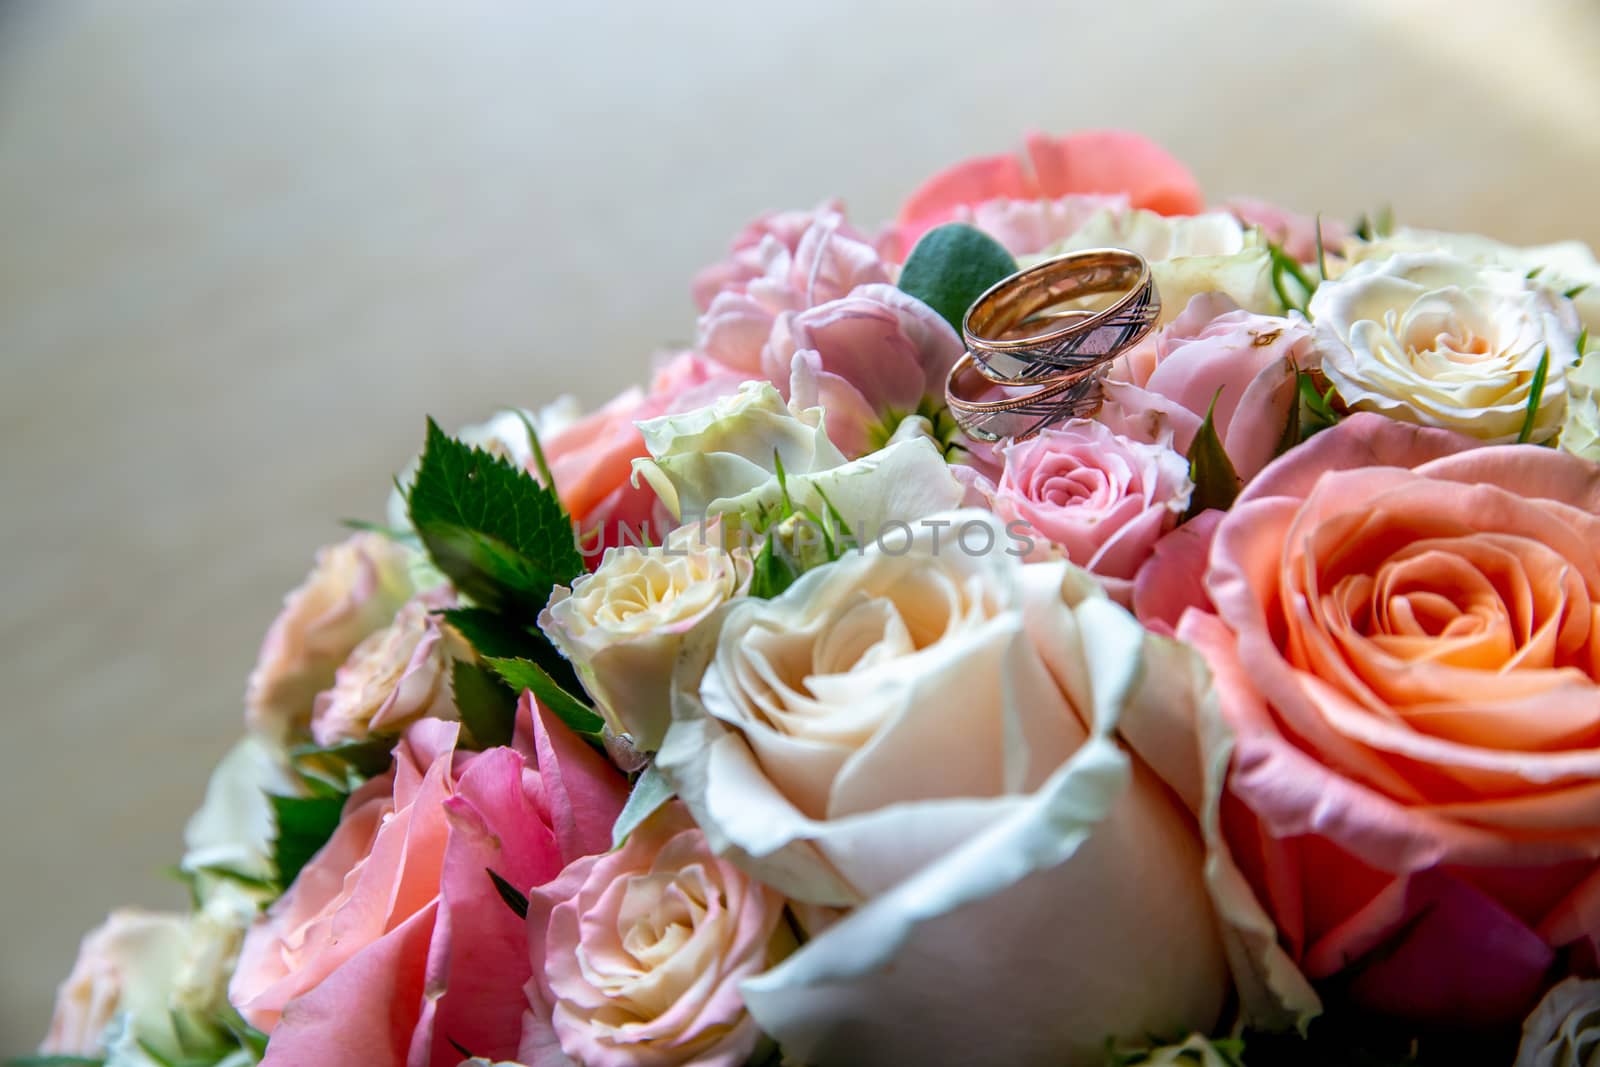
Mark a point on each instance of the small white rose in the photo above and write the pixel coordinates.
(1564, 1030)
(123, 976)
(1581, 434)
(1188, 255)
(393, 678)
(928, 738)
(623, 625)
(1437, 341)
(233, 830)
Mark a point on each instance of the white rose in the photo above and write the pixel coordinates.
(623, 625)
(1188, 255)
(503, 434)
(703, 459)
(124, 970)
(928, 738)
(393, 678)
(200, 983)
(1581, 434)
(354, 590)
(719, 461)
(234, 829)
(1560, 267)
(1564, 1030)
(1437, 341)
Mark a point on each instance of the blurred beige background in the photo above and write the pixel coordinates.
(244, 248)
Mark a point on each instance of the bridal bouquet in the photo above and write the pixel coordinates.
(1249, 714)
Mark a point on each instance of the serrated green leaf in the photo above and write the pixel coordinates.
(951, 266)
(515, 899)
(1216, 483)
(524, 674)
(1535, 395)
(488, 707)
(773, 571)
(304, 825)
(493, 634)
(339, 768)
(650, 792)
(501, 537)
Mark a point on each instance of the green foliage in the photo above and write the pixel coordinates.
(488, 706)
(304, 825)
(1290, 281)
(525, 674)
(650, 792)
(54, 1061)
(1216, 483)
(1535, 395)
(501, 537)
(951, 266)
(774, 571)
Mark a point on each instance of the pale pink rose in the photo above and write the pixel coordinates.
(353, 591)
(1028, 227)
(125, 965)
(396, 676)
(592, 458)
(1213, 352)
(393, 940)
(788, 268)
(1106, 162)
(1295, 233)
(638, 955)
(1407, 648)
(1101, 499)
(1172, 580)
(869, 359)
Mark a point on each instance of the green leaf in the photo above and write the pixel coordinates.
(774, 571)
(515, 899)
(304, 825)
(1577, 291)
(523, 674)
(952, 266)
(1322, 254)
(650, 792)
(488, 708)
(1216, 483)
(345, 765)
(501, 537)
(1284, 266)
(54, 1061)
(1535, 395)
(493, 634)
(1383, 221)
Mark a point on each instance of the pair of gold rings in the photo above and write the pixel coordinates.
(1031, 364)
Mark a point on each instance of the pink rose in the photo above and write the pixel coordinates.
(1407, 648)
(787, 268)
(1246, 363)
(1114, 162)
(1102, 499)
(396, 676)
(869, 359)
(1172, 580)
(1295, 233)
(1028, 227)
(638, 955)
(353, 591)
(592, 458)
(393, 941)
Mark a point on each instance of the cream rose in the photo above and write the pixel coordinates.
(123, 974)
(722, 460)
(354, 590)
(928, 738)
(623, 625)
(1581, 433)
(232, 833)
(1188, 255)
(1437, 341)
(393, 678)
(1564, 1030)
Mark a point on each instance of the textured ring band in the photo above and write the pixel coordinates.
(1000, 328)
(991, 411)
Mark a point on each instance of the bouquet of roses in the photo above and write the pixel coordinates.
(1244, 712)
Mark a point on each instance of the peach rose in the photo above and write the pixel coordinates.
(393, 942)
(353, 591)
(396, 676)
(1101, 499)
(1107, 162)
(1407, 649)
(638, 955)
(592, 457)
(1212, 352)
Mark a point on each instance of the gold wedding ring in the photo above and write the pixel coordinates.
(1030, 362)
